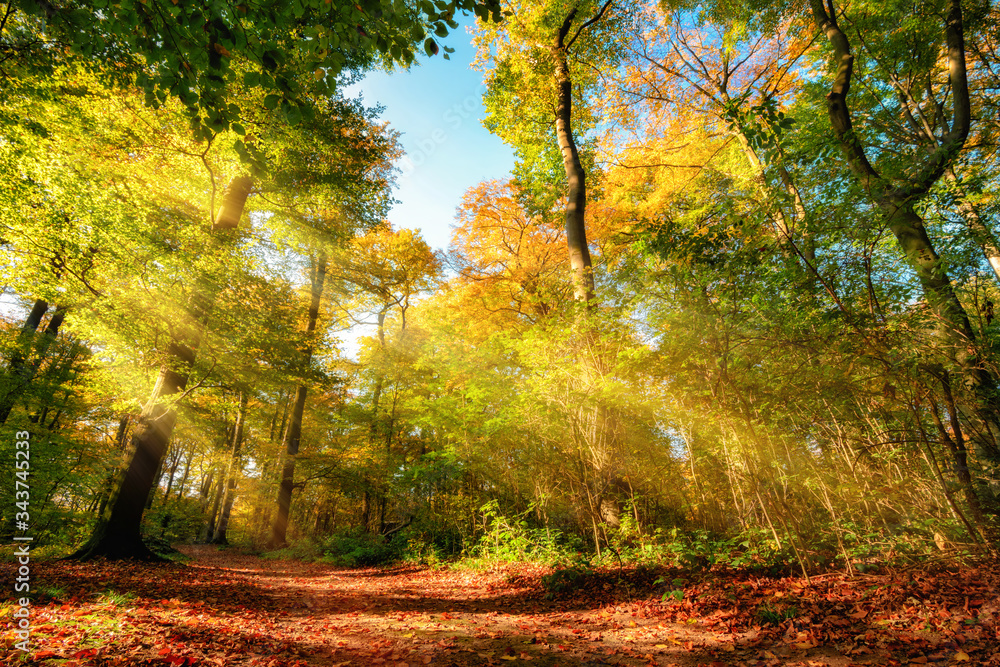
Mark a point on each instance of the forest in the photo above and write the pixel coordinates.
(714, 369)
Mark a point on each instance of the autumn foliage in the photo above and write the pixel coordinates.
(710, 377)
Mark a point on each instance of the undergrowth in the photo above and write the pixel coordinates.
(505, 539)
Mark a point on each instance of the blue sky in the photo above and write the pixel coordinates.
(437, 106)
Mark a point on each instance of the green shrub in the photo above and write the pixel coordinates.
(565, 578)
(362, 550)
(514, 540)
(306, 550)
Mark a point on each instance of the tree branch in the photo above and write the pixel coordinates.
(597, 17)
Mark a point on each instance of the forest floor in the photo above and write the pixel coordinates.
(224, 608)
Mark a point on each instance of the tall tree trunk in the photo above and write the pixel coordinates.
(175, 464)
(107, 489)
(952, 328)
(234, 470)
(279, 530)
(208, 530)
(584, 289)
(121, 535)
(576, 177)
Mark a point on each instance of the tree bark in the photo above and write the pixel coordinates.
(576, 176)
(234, 470)
(953, 329)
(184, 477)
(120, 537)
(959, 456)
(279, 530)
(209, 528)
(107, 489)
(174, 465)
(233, 202)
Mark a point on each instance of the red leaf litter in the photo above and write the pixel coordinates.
(228, 609)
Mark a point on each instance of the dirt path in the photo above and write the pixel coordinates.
(418, 616)
(229, 609)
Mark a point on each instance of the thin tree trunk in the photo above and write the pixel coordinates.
(974, 532)
(234, 470)
(205, 491)
(184, 477)
(279, 530)
(170, 478)
(959, 454)
(209, 528)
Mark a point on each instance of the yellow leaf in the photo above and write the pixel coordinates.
(961, 656)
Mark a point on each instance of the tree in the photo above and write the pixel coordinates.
(897, 197)
(294, 55)
(378, 276)
(235, 467)
(531, 85)
(20, 371)
(88, 246)
(508, 258)
(317, 279)
(737, 78)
